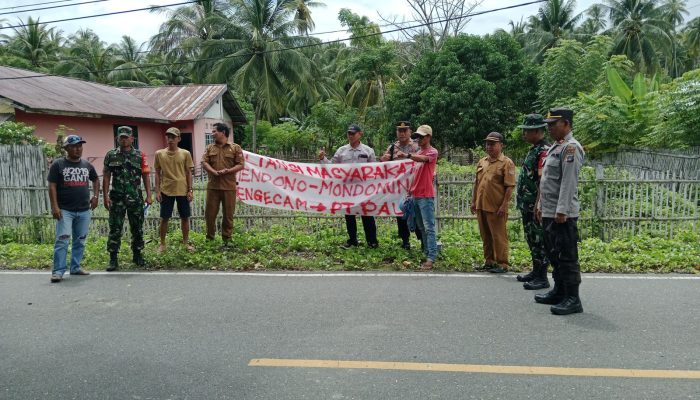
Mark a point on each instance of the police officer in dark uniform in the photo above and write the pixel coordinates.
(125, 167)
(399, 150)
(526, 191)
(558, 208)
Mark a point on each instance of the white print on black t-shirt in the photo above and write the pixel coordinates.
(75, 176)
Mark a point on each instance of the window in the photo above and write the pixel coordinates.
(208, 138)
(134, 128)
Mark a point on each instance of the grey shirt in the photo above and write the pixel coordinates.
(559, 183)
(410, 147)
(348, 155)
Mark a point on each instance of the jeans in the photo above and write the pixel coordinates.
(425, 219)
(73, 223)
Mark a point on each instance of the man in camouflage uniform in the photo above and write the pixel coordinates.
(558, 207)
(400, 150)
(125, 167)
(527, 190)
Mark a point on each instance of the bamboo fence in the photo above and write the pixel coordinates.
(614, 204)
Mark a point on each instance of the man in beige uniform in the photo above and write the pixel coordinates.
(222, 160)
(495, 181)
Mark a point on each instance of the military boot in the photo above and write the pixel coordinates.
(526, 277)
(554, 296)
(540, 279)
(570, 304)
(138, 259)
(113, 262)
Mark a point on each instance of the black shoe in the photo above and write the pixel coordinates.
(483, 267)
(373, 245)
(113, 262)
(138, 259)
(536, 284)
(569, 305)
(498, 270)
(526, 277)
(55, 278)
(349, 245)
(406, 246)
(551, 297)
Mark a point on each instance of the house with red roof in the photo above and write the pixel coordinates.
(94, 111)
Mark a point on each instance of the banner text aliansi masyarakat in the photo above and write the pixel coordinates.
(361, 189)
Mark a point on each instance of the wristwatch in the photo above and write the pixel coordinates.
(408, 155)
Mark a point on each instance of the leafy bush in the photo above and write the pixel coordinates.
(277, 249)
(18, 133)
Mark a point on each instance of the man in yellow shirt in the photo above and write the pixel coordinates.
(493, 188)
(174, 185)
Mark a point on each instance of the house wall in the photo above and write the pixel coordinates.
(214, 114)
(97, 132)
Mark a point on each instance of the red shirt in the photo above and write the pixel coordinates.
(423, 184)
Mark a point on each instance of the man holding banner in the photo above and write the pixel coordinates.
(399, 151)
(423, 193)
(353, 153)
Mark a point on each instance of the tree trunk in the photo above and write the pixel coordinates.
(255, 129)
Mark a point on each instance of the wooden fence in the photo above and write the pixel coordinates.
(23, 171)
(656, 164)
(614, 204)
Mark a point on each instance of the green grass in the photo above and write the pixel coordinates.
(279, 249)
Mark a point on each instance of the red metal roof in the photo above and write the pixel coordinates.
(59, 95)
(189, 102)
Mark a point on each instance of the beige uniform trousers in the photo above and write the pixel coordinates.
(494, 237)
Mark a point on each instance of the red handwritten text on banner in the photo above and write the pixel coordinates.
(362, 189)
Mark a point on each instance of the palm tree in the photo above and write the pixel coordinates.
(639, 31)
(128, 58)
(188, 27)
(88, 58)
(554, 21)
(673, 11)
(691, 34)
(259, 58)
(34, 42)
(302, 15)
(596, 20)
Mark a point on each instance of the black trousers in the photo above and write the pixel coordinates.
(404, 233)
(368, 224)
(561, 242)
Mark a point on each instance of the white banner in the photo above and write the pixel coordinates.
(360, 189)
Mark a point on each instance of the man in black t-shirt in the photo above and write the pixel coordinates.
(71, 205)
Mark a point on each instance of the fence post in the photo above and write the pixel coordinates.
(599, 211)
(437, 205)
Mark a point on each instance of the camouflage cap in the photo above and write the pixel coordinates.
(173, 131)
(533, 121)
(125, 131)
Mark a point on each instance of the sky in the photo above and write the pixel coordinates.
(141, 25)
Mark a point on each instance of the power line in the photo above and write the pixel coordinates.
(186, 48)
(287, 48)
(48, 8)
(35, 4)
(102, 15)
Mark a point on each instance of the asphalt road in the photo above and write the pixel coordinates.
(201, 336)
